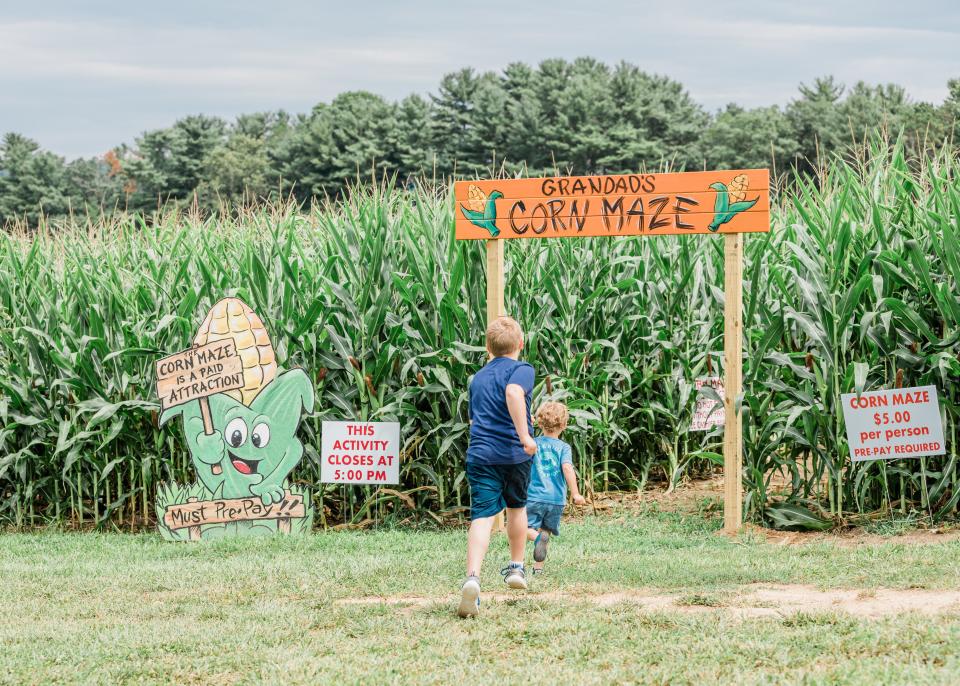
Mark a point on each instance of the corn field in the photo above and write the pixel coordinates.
(856, 287)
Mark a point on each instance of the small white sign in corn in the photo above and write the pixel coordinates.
(708, 413)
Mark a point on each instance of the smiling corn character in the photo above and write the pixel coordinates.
(254, 446)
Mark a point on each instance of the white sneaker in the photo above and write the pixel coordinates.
(469, 598)
(514, 577)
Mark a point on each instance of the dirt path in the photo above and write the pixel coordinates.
(754, 600)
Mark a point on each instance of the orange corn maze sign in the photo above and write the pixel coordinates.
(735, 201)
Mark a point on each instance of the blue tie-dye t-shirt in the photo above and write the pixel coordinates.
(547, 484)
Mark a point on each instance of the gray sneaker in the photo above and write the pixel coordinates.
(469, 598)
(540, 546)
(514, 577)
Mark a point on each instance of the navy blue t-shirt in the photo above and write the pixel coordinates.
(493, 438)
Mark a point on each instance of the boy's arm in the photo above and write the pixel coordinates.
(571, 478)
(517, 405)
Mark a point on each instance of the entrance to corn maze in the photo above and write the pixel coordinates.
(728, 203)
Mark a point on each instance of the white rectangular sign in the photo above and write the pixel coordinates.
(708, 413)
(360, 453)
(886, 425)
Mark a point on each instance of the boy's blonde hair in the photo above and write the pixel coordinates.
(504, 336)
(552, 416)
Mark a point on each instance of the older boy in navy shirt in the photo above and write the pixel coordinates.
(498, 457)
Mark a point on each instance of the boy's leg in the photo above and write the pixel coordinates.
(540, 548)
(514, 575)
(516, 532)
(549, 526)
(534, 535)
(535, 532)
(478, 540)
(516, 481)
(486, 501)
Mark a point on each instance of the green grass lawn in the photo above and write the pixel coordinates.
(114, 608)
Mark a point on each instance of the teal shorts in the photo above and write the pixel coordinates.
(494, 487)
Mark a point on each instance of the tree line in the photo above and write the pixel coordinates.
(560, 117)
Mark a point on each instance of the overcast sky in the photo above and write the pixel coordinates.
(82, 76)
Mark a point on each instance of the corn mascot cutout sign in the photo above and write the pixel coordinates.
(240, 417)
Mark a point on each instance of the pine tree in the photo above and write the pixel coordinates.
(32, 181)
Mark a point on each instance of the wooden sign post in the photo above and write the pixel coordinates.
(727, 202)
(733, 378)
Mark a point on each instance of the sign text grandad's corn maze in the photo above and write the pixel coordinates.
(735, 201)
(731, 202)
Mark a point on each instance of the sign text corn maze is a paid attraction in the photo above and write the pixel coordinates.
(734, 201)
(199, 372)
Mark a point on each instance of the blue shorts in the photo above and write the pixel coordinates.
(496, 486)
(544, 516)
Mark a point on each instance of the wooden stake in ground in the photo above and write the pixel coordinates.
(733, 379)
(205, 415)
(208, 428)
(193, 531)
(196, 374)
(495, 308)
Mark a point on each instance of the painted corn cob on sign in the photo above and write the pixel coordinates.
(735, 201)
(240, 416)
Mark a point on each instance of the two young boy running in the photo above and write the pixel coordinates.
(499, 460)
